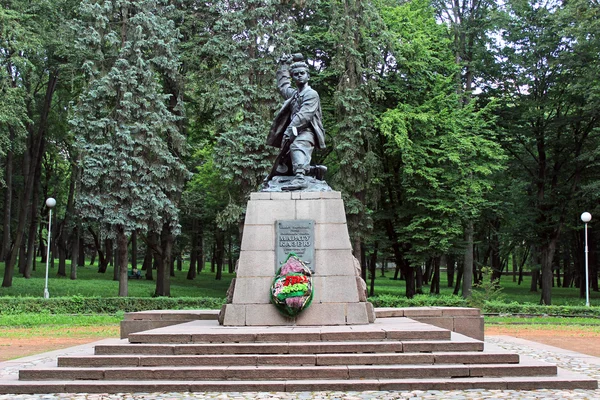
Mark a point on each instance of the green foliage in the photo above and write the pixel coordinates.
(90, 283)
(487, 290)
(420, 300)
(27, 320)
(102, 305)
(127, 134)
(496, 307)
(246, 37)
(438, 148)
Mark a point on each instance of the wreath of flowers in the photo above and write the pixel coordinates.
(291, 291)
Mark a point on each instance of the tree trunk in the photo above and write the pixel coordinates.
(467, 278)
(435, 279)
(373, 268)
(548, 251)
(230, 262)
(593, 260)
(534, 280)
(121, 265)
(163, 257)
(37, 151)
(495, 260)
(133, 250)
(102, 259)
(419, 279)
(200, 249)
(116, 264)
(428, 270)
(213, 259)
(191, 275)
(459, 275)
(147, 265)
(62, 261)
(450, 268)
(219, 254)
(515, 265)
(75, 253)
(81, 252)
(33, 221)
(8, 179)
(108, 251)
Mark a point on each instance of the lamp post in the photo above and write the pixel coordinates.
(50, 203)
(586, 217)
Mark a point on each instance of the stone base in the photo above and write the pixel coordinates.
(339, 291)
(267, 315)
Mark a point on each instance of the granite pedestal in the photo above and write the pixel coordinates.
(339, 291)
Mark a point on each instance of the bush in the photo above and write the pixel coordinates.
(497, 307)
(420, 300)
(103, 305)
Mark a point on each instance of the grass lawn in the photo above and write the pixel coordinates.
(90, 283)
(511, 291)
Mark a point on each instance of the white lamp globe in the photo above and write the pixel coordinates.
(586, 217)
(50, 202)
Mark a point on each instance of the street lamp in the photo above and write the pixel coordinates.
(50, 203)
(586, 217)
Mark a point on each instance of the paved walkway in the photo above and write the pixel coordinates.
(569, 360)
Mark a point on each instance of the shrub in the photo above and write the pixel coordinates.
(103, 305)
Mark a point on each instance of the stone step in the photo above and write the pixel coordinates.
(211, 332)
(287, 359)
(268, 372)
(458, 344)
(564, 380)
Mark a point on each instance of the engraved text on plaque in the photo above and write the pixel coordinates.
(295, 236)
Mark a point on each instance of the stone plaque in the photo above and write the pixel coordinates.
(295, 236)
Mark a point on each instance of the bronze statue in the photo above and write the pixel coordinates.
(298, 126)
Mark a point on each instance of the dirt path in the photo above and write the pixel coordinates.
(23, 342)
(577, 339)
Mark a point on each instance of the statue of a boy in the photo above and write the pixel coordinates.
(298, 126)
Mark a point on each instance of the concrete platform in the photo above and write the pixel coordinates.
(463, 320)
(290, 359)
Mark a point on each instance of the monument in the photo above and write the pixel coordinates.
(297, 213)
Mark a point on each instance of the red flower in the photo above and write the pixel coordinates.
(294, 279)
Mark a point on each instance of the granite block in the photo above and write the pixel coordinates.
(356, 314)
(440, 322)
(281, 195)
(470, 326)
(323, 314)
(322, 211)
(234, 315)
(335, 289)
(260, 196)
(265, 315)
(252, 290)
(256, 263)
(334, 262)
(267, 212)
(332, 237)
(258, 237)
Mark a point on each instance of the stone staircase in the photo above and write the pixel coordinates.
(396, 353)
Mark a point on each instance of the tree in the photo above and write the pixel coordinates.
(31, 64)
(128, 138)
(246, 38)
(437, 153)
(548, 83)
(356, 34)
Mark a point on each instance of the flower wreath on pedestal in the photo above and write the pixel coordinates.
(291, 291)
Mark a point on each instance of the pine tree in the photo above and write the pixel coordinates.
(246, 39)
(128, 137)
